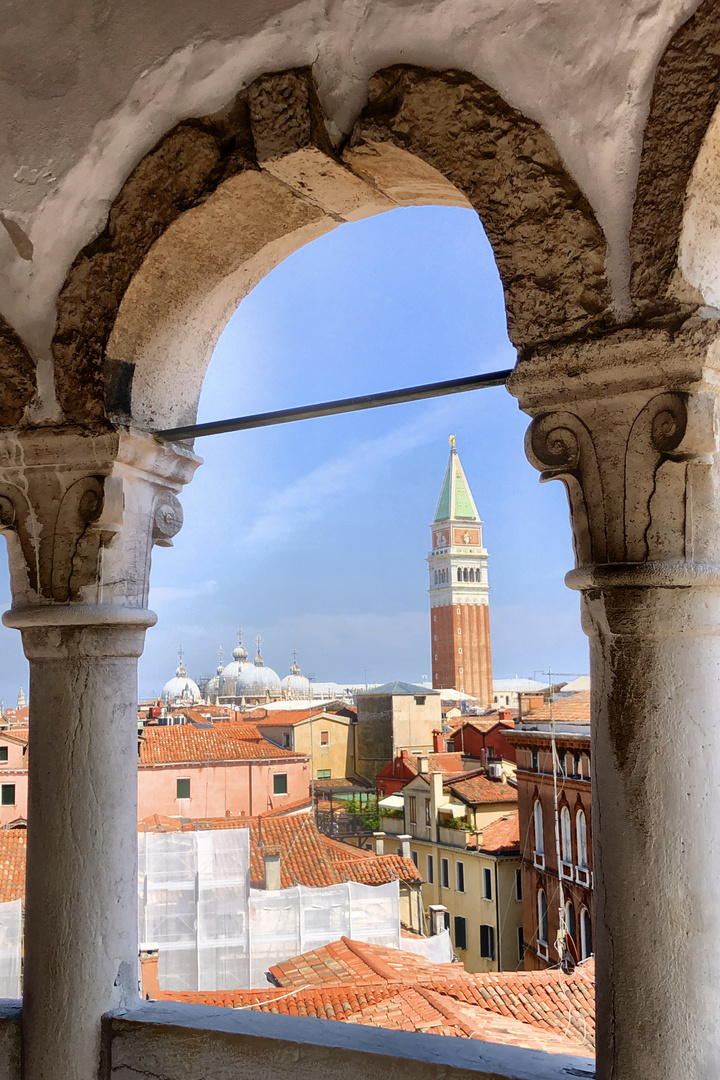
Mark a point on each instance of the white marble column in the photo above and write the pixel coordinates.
(630, 425)
(81, 515)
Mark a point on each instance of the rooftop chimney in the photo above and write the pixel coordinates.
(404, 845)
(422, 763)
(437, 918)
(504, 715)
(379, 838)
(271, 857)
(438, 742)
(149, 981)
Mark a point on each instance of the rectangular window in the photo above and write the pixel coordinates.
(419, 700)
(521, 944)
(445, 873)
(430, 870)
(414, 857)
(487, 942)
(518, 884)
(487, 883)
(280, 783)
(322, 774)
(286, 740)
(460, 933)
(427, 812)
(3, 753)
(460, 877)
(182, 789)
(8, 794)
(324, 738)
(413, 809)
(535, 760)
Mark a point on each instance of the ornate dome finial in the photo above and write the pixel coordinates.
(258, 659)
(180, 670)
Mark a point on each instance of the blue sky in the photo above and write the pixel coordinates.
(315, 534)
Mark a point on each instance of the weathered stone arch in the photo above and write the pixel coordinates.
(222, 199)
(686, 92)
(17, 376)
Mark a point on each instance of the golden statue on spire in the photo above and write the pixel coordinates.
(452, 442)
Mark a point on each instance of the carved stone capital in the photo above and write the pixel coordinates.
(81, 513)
(630, 426)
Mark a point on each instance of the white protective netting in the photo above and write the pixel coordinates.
(214, 933)
(437, 949)
(293, 921)
(194, 906)
(10, 948)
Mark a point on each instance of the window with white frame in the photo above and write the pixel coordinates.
(487, 883)
(542, 917)
(487, 941)
(460, 876)
(585, 934)
(445, 873)
(581, 834)
(518, 884)
(430, 870)
(538, 821)
(566, 834)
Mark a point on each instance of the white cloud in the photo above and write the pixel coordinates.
(306, 499)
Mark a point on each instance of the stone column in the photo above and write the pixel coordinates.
(630, 425)
(80, 515)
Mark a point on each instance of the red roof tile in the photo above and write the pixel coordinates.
(367, 984)
(307, 856)
(475, 787)
(573, 709)
(13, 845)
(502, 837)
(225, 741)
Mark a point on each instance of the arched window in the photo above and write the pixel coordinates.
(459, 574)
(436, 577)
(586, 946)
(566, 834)
(471, 575)
(477, 574)
(538, 819)
(581, 835)
(465, 574)
(570, 920)
(542, 917)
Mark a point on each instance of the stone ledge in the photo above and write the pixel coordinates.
(181, 1042)
(10, 1013)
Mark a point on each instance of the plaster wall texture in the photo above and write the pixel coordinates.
(112, 83)
(338, 754)
(242, 788)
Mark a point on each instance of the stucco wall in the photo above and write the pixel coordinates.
(240, 787)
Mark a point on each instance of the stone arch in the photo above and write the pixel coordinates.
(222, 199)
(686, 92)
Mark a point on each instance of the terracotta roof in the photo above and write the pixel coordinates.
(280, 718)
(502, 837)
(475, 787)
(307, 856)
(574, 709)
(223, 741)
(288, 808)
(13, 845)
(405, 765)
(371, 985)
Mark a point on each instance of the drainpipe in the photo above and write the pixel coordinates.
(497, 917)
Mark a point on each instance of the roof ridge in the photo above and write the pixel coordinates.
(436, 1001)
(373, 962)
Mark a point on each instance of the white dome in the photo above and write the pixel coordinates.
(228, 677)
(296, 686)
(181, 688)
(256, 680)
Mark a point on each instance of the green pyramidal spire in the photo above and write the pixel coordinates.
(455, 500)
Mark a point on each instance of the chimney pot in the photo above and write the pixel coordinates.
(438, 742)
(149, 981)
(404, 842)
(379, 838)
(422, 763)
(271, 857)
(437, 918)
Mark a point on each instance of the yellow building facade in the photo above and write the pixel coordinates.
(327, 739)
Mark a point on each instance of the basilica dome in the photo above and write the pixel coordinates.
(256, 680)
(296, 685)
(181, 689)
(229, 675)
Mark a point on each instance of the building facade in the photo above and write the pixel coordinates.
(462, 832)
(459, 590)
(557, 891)
(393, 717)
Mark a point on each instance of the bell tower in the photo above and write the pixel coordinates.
(459, 590)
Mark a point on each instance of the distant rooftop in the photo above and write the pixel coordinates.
(397, 689)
